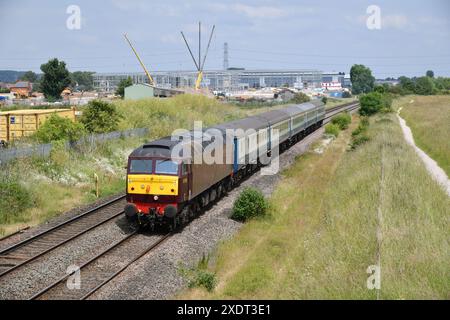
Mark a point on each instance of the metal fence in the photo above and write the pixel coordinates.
(43, 150)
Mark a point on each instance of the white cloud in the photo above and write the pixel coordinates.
(259, 11)
(396, 21)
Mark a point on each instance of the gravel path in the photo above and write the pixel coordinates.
(157, 276)
(433, 168)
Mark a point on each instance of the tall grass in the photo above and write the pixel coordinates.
(322, 234)
(429, 120)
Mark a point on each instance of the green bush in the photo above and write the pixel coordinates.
(300, 97)
(100, 117)
(359, 135)
(374, 102)
(250, 203)
(199, 276)
(358, 140)
(342, 120)
(324, 100)
(14, 198)
(332, 129)
(57, 128)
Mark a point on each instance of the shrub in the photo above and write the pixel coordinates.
(371, 103)
(300, 97)
(199, 276)
(324, 100)
(57, 128)
(342, 120)
(332, 129)
(358, 140)
(359, 134)
(100, 117)
(14, 198)
(250, 203)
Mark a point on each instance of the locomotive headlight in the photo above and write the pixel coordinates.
(155, 198)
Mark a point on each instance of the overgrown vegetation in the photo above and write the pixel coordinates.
(332, 129)
(100, 117)
(325, 228)
(66, 179)
(359, 135)
(300, 97)
(14, 198)
(250, 203)
(429, 119)
(199, 276)
(338, 123)
(57, 128)
(342, 120)
(374, 102)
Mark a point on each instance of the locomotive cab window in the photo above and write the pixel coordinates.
(141, 166)
(166, 167)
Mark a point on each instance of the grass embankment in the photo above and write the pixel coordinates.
(333, 102)
(429, 119)
(322, 233)
(44, 188)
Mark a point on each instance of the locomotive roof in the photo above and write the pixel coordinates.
(158, 148)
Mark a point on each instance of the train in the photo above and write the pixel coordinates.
(168, 188)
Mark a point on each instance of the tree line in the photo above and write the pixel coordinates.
(374, 98)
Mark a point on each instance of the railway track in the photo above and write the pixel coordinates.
(101, 269)
(26, 251)
(105, 266)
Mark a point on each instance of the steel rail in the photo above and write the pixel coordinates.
(35, 237)
(143, 253)
(58, 244)
(65, 277)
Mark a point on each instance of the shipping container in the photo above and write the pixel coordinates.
(22, 123)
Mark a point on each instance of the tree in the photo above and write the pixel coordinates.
(406, 84)
(55, 79)
(57, 128)
(430, 74)
(82, 80)
(300, 97)
(100, 116)
(29, 76)
(122, 85)
(361, 78)
(424, 86)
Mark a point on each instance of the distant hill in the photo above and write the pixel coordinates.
(10, 75)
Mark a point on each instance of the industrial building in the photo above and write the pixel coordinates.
(144, 90)
(233, 79)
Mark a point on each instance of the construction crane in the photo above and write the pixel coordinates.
(200, 64)
(150, 79)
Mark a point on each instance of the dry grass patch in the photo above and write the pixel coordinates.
(322, 234)
(429, 119)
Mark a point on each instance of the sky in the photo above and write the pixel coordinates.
(413, 36)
